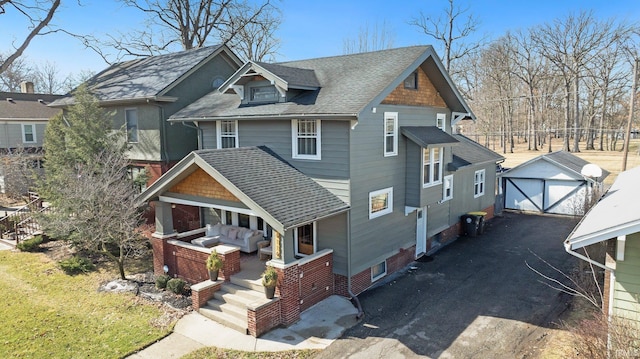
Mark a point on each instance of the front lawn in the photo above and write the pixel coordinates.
(48, 314)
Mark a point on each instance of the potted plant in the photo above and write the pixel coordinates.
(214, 264)
(269, 281)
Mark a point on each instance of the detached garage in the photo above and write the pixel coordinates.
(551, 183)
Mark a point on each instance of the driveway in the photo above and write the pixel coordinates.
(475, 299)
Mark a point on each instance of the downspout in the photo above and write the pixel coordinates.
(200, 132)
(353, 296)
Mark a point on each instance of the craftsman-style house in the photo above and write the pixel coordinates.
(346, 169)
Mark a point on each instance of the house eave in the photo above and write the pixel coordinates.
(344, 116)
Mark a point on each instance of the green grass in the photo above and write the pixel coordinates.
(217, 353)
(48, 314)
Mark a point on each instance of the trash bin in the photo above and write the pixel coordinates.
(480, 219)
(470, 224)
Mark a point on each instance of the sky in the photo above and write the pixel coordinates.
(310, 28)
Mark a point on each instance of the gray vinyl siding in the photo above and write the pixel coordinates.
(373, 240)
(332, 234)
(11, 135)
(414, 174)
(627, 283)
(148, 147)
(463, 200)
(332, 169)
(209, 139)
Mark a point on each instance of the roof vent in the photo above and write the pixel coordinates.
(9, 99)
(41, 101)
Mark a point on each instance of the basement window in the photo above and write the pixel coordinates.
(378, 271)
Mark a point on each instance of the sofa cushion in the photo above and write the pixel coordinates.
(224, 230)
(241, 232)
(213, 230)
(248, 234)
(232, 234)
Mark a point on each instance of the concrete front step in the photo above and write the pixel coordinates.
(255, 284)
(232, 309)
(226, 319)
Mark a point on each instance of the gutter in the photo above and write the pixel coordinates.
(337, 116)
(567, 248)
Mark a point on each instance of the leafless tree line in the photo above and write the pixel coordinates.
(568, 78)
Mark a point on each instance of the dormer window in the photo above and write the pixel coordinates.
(264, 94)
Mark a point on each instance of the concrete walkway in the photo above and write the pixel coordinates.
(318, 327)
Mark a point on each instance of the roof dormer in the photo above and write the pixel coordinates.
(257, 82)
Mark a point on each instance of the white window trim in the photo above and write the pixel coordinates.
(447, 179)
(475, 182)
(441, 159)
(126, 124)
(381, 275)
(33, 129)
(219, 133)
(294, 142)
(315, 240)
(389, 208)
(394, 116)
(442, 117)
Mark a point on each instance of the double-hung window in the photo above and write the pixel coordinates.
(131, 118)
(478, 184)
(390, 133)
(447, 188)
(28, 133)
(306, 137)
(431, 166)
(227, 134)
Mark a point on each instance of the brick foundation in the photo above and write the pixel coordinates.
(288, 289)
(316, 281)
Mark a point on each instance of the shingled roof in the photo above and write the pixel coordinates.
(266, 180)
(347, 85)
(469, 152)
(27, 106)
(428, 136)
(143, 78)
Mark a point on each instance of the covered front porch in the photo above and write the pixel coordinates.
(255, 210)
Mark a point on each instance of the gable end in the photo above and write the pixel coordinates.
(425, 95)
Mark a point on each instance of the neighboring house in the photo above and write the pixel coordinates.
(550, 183)
(347, 164)
(615, 219)
(141, 94)
(23, 119)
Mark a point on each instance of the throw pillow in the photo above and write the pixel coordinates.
(232, 234)
(249, 234)
(241, 232)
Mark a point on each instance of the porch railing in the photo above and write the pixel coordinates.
(21, 223)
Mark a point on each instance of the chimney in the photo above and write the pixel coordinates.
(26, 87)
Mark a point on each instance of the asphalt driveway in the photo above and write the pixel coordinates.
(475, 299)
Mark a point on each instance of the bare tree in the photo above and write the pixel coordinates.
(14, 74)
(190, 24)
(37, 12)
(570, 44)
(96, 211)
(380, 37)
(19, 168)
(255, 41)
(450, 32)
(47, 79)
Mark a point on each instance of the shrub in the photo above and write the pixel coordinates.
(76, 265)
(176, 285)
(161, 281)
(31, 244)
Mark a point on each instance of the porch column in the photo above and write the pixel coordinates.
(164, 232)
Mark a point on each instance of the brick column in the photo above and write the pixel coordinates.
(230, 255)
(202, 292)
(164, 232)
(288, 289)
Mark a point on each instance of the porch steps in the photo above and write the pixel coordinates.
(229, 305)
(253, 284)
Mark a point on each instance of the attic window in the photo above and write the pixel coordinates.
(411, 82)
(264, 93)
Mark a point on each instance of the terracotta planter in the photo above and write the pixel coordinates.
(213, 275)
(269, 292)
